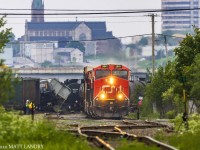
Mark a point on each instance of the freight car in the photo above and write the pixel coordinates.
(61, 97)
(48, 98)
(106, 91)
(25, 88)
(75, 100)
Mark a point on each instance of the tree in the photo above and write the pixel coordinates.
(160, 83)
(135, 48)
(46, 64)
(185, 54)
(187, 50)
(115, 46)
(15, 45)
(76, 44)
(195, 80)
(6, 86)
(143, 41)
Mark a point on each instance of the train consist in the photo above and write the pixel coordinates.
(61, 97)
(46, 94)
(106, 91)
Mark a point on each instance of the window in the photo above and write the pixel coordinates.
(41, 33)
(54, 33)
(120, 73)
(102, 73)
(36, 33)
(63, 33)
(82, 36)
(50, 33)
(67, 33)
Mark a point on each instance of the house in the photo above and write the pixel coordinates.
(63, 56)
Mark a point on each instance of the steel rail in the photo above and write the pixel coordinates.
(121, 127)
(145, 139)
(96, 140)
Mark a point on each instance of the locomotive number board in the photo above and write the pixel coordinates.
(118, 66)
(104, 66)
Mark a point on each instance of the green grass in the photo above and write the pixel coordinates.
(134, 145)
(184, 139)
(20, 131)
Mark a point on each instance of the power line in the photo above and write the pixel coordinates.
(122, 16)
(110, 10)
(114, 38)
(105, 12)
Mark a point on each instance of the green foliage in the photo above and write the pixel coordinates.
(5, 34)
(164, 91)
(154, 95)
(5, 73)
(172, 99)
(184, 139)
(185, 54)
(114, 46)
(143, 41)
(127, 145)
(195, 78)
(170, 114)
(76, 44)
(138, 91)
(6, 83)
(187, 64)
(16, 129)
(134, 48)
(46, 64)
(169, 82)
(193, 121)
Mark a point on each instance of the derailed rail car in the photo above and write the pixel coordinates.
(106, 91)
(74, 100)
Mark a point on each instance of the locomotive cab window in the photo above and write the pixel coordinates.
(102, 73)
(120, 73)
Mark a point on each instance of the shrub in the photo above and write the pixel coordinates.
(170, 114)
(16, 130)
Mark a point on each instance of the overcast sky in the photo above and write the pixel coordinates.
(120, 26)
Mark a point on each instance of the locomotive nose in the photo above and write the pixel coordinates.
(111, 80)
(120, 96)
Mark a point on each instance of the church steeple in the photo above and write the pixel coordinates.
(37, 11)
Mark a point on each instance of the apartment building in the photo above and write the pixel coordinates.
(180, 20)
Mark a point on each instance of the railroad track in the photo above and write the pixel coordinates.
(108, 136)
(101, 134)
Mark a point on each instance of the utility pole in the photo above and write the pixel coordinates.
(153, 40)
(165, 38)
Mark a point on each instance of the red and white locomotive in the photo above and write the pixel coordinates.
(106, 91)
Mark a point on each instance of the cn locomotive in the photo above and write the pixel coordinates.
(106, 91)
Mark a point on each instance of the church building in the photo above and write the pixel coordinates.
(91, 34)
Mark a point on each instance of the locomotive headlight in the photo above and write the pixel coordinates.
(120, 96)
(102, 96)
(111, 80)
